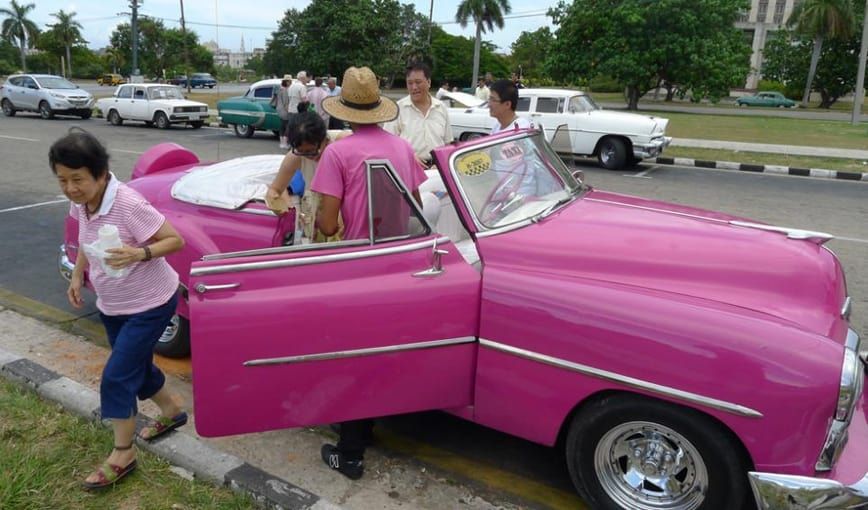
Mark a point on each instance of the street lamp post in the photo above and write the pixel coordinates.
(134, 6)
(860, 78)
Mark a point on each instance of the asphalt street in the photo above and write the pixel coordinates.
(32, 214)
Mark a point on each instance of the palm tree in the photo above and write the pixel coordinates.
(820, 20)
(68, 33)
(116, 57)
(17, 28)
(485, 13)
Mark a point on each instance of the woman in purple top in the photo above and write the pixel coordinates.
(136, 291)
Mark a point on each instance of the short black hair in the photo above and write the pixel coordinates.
(506, 91)
(419, 66)
(306, 127)
(79, 149)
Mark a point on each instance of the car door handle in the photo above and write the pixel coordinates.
(201, 288)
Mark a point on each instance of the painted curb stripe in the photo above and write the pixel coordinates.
(770, 169)
(33, 374)
(275, 490)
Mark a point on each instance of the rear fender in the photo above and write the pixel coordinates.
(161, 157)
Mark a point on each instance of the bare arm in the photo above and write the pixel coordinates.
(327, 218)
(76, 282)
(288, 167)
(164, 242)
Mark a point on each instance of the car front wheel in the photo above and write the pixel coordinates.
(243, 130)
(196, 124)
(161, 121)
(630, 452)
(8, 109)
(175, 342)
(86, 114)
(115, 118)
(45, 110)
(612, 153)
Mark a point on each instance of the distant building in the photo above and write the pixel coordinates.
(233, 59)
(764, 16)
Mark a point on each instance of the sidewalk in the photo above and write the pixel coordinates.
(281, 469)
(796, 150)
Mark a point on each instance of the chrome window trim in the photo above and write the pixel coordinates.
(287, 249)
(253, 210)
(625, 380)
(355, 353)
(405, 192)
(317, 259)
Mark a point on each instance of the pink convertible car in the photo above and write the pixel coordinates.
(684, 359)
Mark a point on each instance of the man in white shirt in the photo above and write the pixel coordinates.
(297, 92)
(482, 91)
(422, 120)
(333, 89)
(502, 103)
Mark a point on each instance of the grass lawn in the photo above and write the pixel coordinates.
(761, 158)
(45, 453)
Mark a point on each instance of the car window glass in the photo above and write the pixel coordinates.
(523, 104)
(125, 92)
(56, 82)
(16, 80)
(392, 213)
(139, 94)
(547, 104)
(169, 92)
(27, 81)
(264, 92)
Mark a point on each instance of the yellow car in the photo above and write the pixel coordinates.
(111, 79)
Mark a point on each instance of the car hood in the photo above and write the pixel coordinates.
(71, 93)
(679, 250)
(625, 122)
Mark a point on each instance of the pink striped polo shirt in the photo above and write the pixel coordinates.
(148, 284)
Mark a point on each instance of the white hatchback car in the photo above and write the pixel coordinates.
(46, 94)
(573, 125)
(155, 104)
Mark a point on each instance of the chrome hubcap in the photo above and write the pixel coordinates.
(607, 153)
(648, 466)
(171, 330)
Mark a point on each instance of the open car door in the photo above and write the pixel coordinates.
(321, 333)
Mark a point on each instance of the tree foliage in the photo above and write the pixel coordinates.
(530, 51)
(329, 36)
(788, 56)
(692, 44)
(161, 49)
(67, 32)
(452, 59)
(18, 29)
(485, 14)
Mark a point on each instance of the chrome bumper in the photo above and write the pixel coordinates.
(63, 264)
(788, 492)
(652, 149)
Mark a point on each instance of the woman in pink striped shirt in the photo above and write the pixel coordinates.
(136, 307)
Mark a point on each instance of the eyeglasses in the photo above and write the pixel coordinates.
(307, 154)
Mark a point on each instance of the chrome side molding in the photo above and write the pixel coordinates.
(792, 233)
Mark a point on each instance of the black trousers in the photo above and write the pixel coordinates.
(355, 436)
(335, 123)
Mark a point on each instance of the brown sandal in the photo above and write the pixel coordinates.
(110, 474)
(163, 425)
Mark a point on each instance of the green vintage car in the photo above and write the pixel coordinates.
(252, 111)
(766, 99)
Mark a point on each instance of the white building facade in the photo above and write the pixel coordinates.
(764, 17)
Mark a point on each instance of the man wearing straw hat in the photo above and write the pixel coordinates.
(341, 180)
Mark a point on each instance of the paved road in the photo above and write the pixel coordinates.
(32, 233)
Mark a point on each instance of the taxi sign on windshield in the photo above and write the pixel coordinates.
(473, 163)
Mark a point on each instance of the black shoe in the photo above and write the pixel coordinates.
(352, 469)
(368, 440)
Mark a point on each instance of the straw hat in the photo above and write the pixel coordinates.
(360, 101)
(287, 77)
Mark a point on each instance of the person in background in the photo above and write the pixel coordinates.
(516, 81)
(308, 138)
(135, 308)
(281, 105)
(502, 103)
(422, 120)
(333, 89)
(482, 92)
(297, 92)
(444, 87)
(341, 180)
(315, 96)
(489, 79)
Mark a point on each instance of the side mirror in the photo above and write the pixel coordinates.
(579, 175)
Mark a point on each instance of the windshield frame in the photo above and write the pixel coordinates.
(571, 184)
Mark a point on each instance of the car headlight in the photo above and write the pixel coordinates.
(56, 95)
(177, 109)
(852, 379)
(203, 108)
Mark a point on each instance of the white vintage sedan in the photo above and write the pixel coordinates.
(573, 124)
(155, 104)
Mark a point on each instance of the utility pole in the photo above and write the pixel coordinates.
(186, 53)
(430, 22)
(134, 26)
(860, 78)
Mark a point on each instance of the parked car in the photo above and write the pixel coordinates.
(180, 80)
(202, 80)
(667, 373)
(154, 104)
(616, 139)
(46, 94)
(766, 99)
(252, 111)
(110, 79)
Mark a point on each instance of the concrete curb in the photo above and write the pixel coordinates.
(180, 449)
(769, 169)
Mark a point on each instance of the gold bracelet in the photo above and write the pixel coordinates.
(147, 253)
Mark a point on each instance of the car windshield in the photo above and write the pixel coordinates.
(582, 104)
(55, 82)
(203, 75)
(165, 93)
(513, 179)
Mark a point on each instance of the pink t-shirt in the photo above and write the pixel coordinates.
(341, 172)
(148, 284)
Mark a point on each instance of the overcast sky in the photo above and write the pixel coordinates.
(227, 21)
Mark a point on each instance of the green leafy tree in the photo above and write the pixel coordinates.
(787, 59)
(17, 27)
(114, 58)
(640, 42)
(452, 57)
(821, 20)
(486, 14)
(530, 51)
(68, 32)
(161, 49)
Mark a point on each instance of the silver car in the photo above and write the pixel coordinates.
(46, 94)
